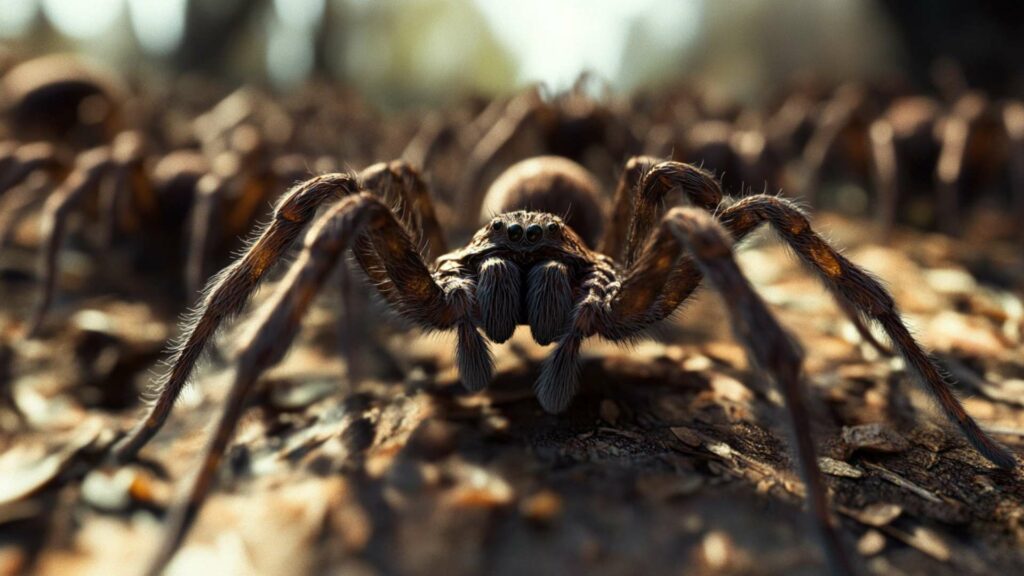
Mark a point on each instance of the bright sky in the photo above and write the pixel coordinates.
(553, 40)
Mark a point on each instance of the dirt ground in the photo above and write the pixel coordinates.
(672, 460)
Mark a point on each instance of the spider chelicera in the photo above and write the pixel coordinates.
(563, 278)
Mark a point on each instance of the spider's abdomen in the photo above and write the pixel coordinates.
(550, 184)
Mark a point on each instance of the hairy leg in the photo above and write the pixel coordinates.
(617, 228)
(770, 347)
(1013, 125)
(699, 186)
(654, 288)
(701, 189)
(516, 116)
(228, 292)
(399, 182)
(20, 200)
(559, 375)
(20, 160)
(498, 295)
(548, 301)
(279, 321)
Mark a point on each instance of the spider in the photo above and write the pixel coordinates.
(63, 98)
(569, 124)
(949, 158)
(527, 266)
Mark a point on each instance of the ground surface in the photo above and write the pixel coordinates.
(673, 460)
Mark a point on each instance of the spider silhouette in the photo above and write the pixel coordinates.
(527, 266)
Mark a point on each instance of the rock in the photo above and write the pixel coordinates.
(873, 438)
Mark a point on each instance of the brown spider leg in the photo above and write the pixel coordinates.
(885, 173)
(280, 319)
(826, 134)
(616, 229)
(518, 113)
(129, 181)
(559, 374)
(398, 181)
(434, 132)
(228, 292)
(8, 159)
(20, 200)
(769, 346)
(90, 167)
(548, 301)
(497, 293)
(702, 190)
(401, 186)
(849, 282)
(27, 159)
(1013, 124)
(949, 172)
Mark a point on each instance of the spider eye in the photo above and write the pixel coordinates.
(534, 232)
(515, 232)
(497, 225)
(552, 227)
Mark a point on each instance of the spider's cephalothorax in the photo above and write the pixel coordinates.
(529, 267)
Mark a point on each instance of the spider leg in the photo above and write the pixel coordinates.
(20, 161)
(128, 180)
(90, 167)
(398, 181)
(280, 319)
(617, 227)
(434, 132)
(517, 115)
(654, 288)
(209, 190)
(836, 116)
(559, 375)
(228, 292)
(949, 171)
(769, 346)
(885, 173)
(499, 299)
(649, 204)
(1013, 125)
(548, 301)
(649, 198)
(865, 294)
(20, 200)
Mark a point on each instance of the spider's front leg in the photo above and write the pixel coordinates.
(229, 291)
(279, 321)
(498, 296)
(559, 376)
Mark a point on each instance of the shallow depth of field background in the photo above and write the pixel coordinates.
(411, 51)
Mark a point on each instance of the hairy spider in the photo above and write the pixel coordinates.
(568, 124)
(528, 267)
(916, 147)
